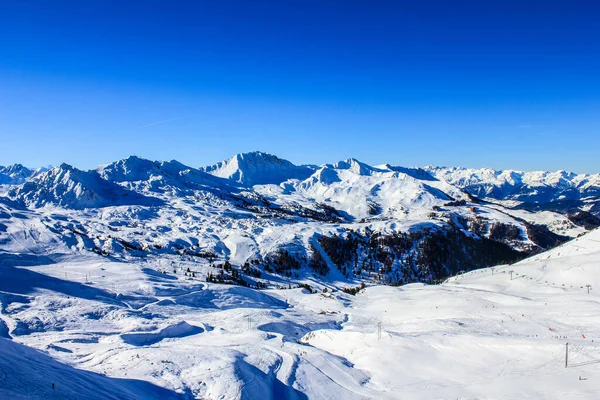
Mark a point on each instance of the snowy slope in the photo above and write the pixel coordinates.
(129, 330)
(33, 379)
(103, 276)
(363, 191)
(482, 335)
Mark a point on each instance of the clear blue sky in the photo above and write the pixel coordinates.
(486, 83)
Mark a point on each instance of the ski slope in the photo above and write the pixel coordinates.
(127, 330)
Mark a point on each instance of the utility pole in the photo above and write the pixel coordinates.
(511, 272)
(567, 355)
(588, 286)
(379, 330)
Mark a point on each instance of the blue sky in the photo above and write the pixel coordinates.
(501, 84)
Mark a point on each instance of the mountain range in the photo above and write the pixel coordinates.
(536, 190)
(149, 325)
(346, 221)
(258, 278)
(16, 174)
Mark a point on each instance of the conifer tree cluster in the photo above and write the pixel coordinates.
(427, 255)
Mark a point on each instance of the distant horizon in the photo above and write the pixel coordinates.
(480, 84)
(292, 161)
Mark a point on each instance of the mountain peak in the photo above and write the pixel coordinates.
(258, 154)
(67, 186)
(64, 167)
(258, 168)
(14, 174)
(132, 168)
(355, 166)
(414, 172)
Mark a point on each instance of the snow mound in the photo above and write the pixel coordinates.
(27, 373)
(241, 297)
(182, 329)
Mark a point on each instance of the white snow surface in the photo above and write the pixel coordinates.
(108, 329)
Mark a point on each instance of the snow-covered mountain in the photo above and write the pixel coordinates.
(534, 190)
(69, 187)
(154, 279)
(14, 174)
(167, 177)
(538, 190)
(363, 191)
(346, 221)
(258, 168)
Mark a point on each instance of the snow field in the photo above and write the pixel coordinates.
(478, 335)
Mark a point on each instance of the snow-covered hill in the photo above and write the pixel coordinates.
(362, 191)
(96, 327)
(496, 333)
